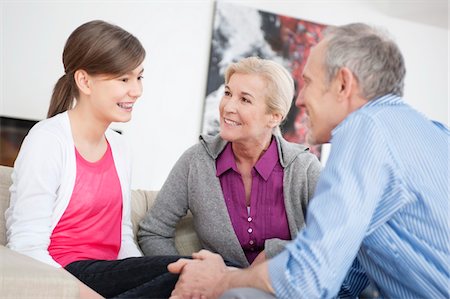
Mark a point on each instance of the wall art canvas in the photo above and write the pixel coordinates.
(239, 32)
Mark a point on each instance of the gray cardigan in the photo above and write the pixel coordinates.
(193, 185)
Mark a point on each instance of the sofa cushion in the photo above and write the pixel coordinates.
(5, 182)
(24, 277)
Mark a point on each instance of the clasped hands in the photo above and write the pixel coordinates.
(203, 277)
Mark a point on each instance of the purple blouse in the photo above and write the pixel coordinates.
(267, 218)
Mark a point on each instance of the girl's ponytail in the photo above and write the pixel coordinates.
(62, 97)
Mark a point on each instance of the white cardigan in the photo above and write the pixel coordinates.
(43, 181)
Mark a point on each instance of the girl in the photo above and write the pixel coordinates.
(70, 198)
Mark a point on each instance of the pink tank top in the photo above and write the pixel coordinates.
(90, 228)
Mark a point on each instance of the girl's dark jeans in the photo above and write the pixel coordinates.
(135, 277)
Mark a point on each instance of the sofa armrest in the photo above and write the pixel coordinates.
(24, 277)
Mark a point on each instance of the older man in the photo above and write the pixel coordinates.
(380, 210)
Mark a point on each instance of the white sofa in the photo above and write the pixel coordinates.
(23, 277)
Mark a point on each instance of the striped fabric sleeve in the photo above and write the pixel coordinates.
(355, 281)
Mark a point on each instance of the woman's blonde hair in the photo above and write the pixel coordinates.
(280, 85)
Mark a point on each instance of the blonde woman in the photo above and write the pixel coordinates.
(247, 188)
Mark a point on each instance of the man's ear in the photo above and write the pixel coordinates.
(81, 78)
(346, 82)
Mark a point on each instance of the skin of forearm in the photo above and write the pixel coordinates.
(253, 277)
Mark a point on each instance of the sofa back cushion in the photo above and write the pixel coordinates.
(186, 239)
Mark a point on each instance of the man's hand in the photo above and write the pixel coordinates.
(200, 278)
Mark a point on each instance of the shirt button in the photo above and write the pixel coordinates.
(251, 242)
(249, 219)
(250, 230)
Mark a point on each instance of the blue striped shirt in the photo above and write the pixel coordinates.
(380, 211)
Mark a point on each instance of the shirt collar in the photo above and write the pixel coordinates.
(264, 166)
(268, 160)
(386, 100)
(225, 160)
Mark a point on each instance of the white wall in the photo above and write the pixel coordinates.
(176, 35)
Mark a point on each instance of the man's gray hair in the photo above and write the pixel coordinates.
(372, 56)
